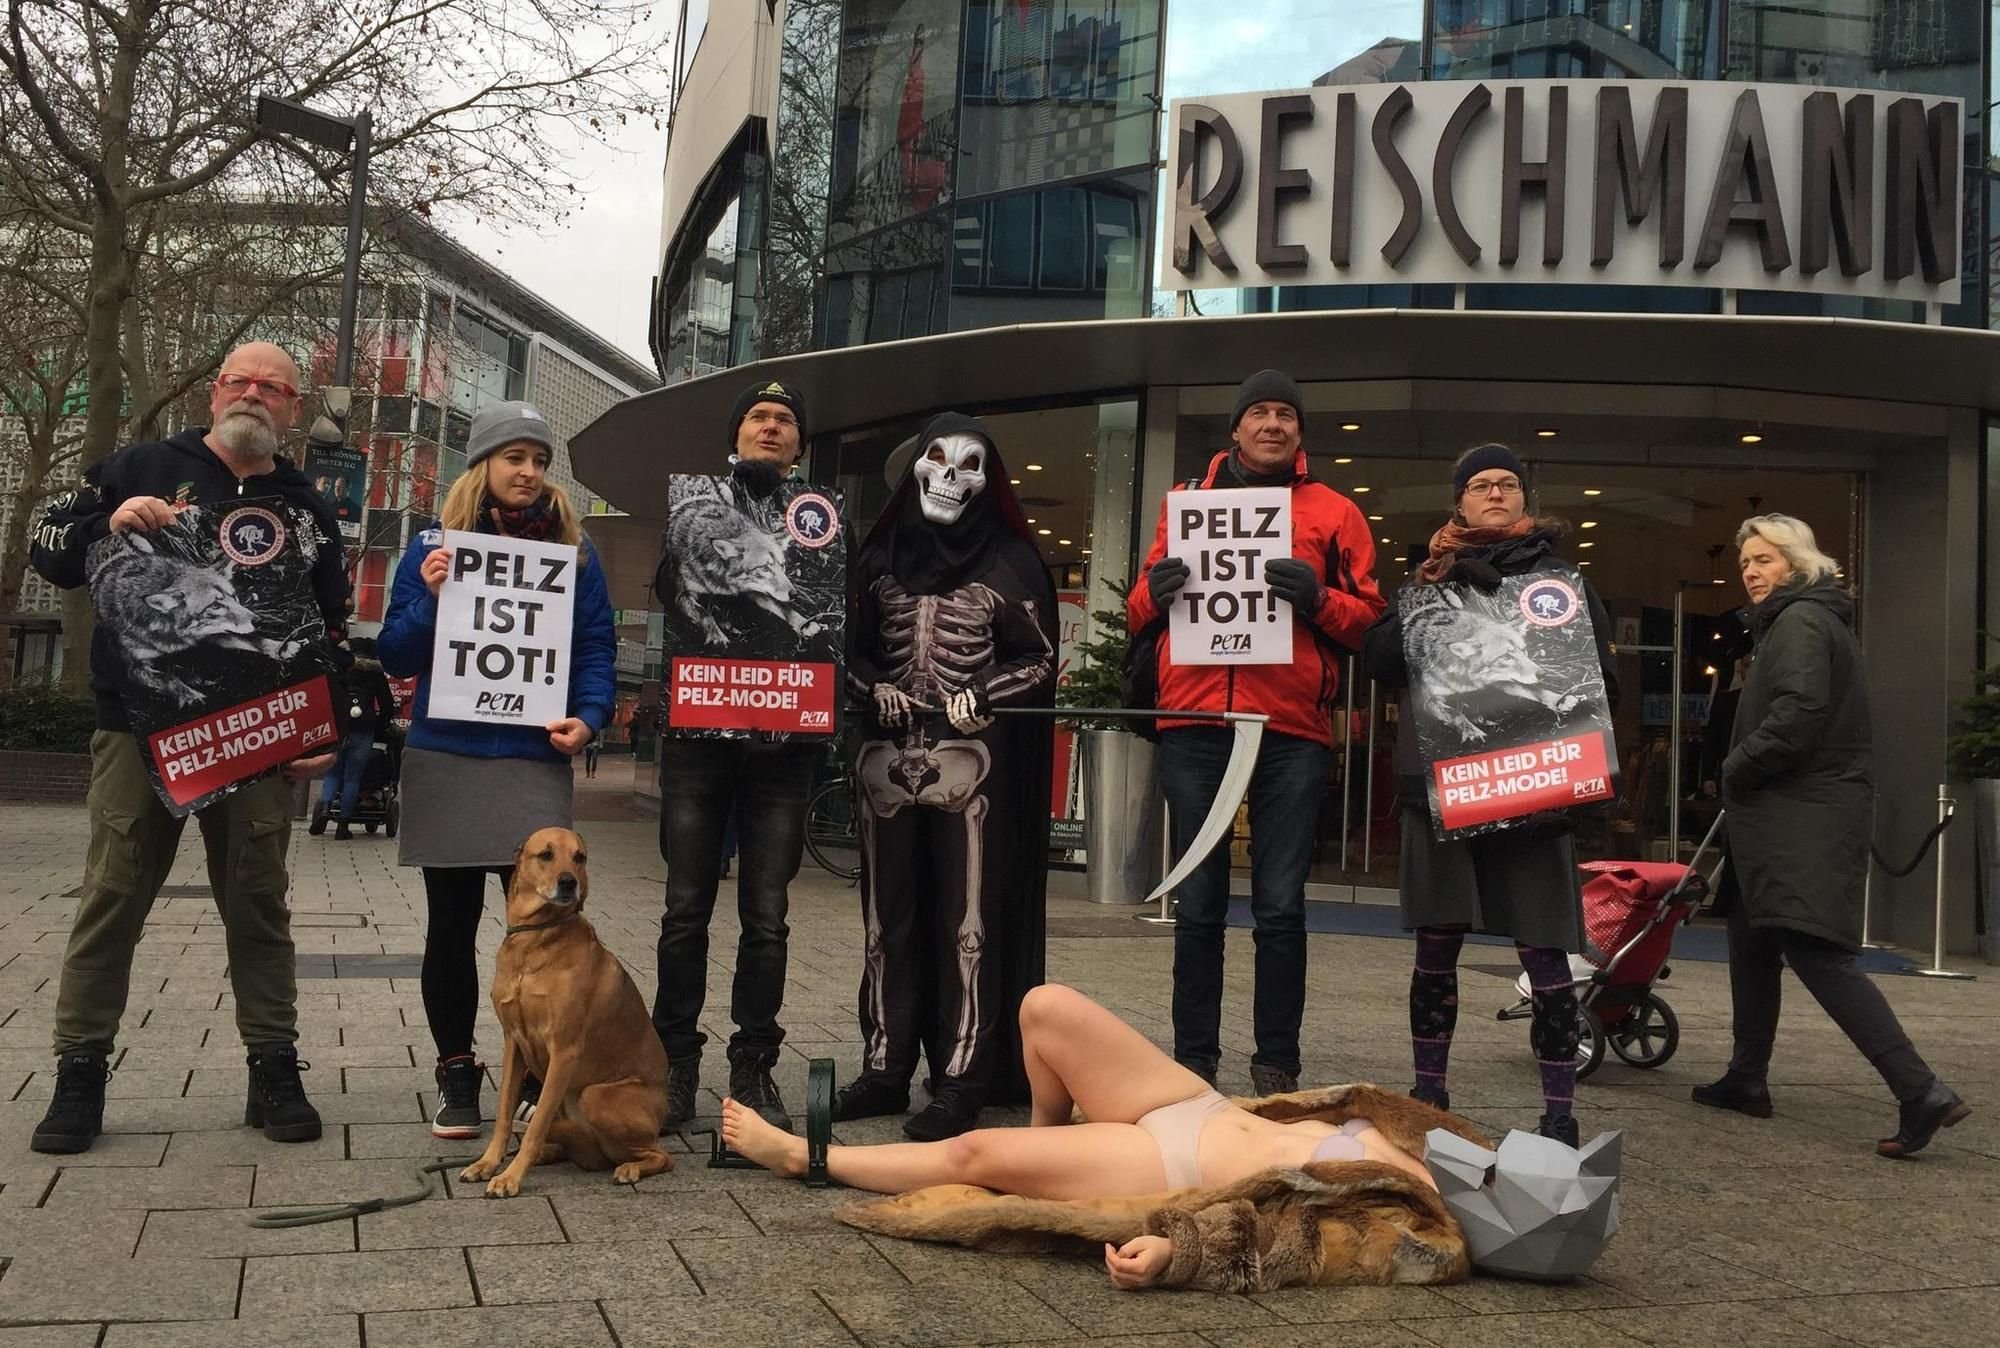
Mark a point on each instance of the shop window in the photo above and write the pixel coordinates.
(1066, 262)
(1010, 249)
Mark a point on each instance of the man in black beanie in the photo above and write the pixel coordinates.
(764, 777)
(1330, 584)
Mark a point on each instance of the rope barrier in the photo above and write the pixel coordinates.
(1923, 849)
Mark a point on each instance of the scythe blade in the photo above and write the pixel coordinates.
(1247, 733)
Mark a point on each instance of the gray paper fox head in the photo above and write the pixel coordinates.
(1535, 1208)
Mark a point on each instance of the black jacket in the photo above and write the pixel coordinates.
(1796, 783)
(181, 470)
(1382, 649)
(371, 704)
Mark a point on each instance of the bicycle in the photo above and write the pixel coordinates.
(833, 827)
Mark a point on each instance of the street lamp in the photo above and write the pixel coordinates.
(281, 116)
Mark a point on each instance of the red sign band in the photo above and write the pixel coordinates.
(712, 693)
(213, 751)
(1510, 783)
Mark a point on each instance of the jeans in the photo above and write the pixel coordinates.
(344, 782)
(1846, 994)
(701, 781)
(1284, 796)
(132, 844)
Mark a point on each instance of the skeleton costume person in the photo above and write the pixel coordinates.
(956, 616)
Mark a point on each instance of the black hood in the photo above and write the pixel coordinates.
(1829, 594)
(933, 558)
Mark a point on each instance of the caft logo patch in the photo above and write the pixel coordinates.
(252, 535)
(811, 520)
(1549, 603)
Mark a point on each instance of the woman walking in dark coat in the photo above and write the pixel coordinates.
(1797, 791)
(1521, 881)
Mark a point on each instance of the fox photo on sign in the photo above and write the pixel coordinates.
(503, 630)
(1509, 700)
(755, 590)
(222, 647)
(1226, 614)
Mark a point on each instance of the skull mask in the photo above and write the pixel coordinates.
(951, 471)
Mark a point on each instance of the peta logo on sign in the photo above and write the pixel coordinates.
(500, 704)
(1549, 603)
(252, 536)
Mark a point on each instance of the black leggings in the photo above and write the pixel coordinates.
(457, 899)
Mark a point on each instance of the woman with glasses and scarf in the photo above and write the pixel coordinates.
(1519, 882)
(472, 791)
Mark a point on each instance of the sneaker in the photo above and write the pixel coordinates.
(1437, 1097)
(870, 1097)
(953, 1110)
(1735, 1092)
(1268, 1080)
(343, 834)
(1560, 1127)
(1920, 1119)
(76, 1115)
(458, 1080)
(750, 1084)
(277, 1099)
(683, 1081)
(531, 1099)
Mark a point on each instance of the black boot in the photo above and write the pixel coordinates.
(953, 1110)
(1437, 1097)
(1268, 1080)
(683, 1083)
(277, 1102)
(1559, 1127)
(343, 833)
(1739, 1093)
(76, 1114)
(750, 1085)
(1920, 1118)
(870, 1096)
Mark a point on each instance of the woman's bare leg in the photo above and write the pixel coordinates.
(1092, 1160)
(1078, 1053)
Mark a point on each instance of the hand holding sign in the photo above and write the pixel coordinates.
(503, 630)
(437, 564)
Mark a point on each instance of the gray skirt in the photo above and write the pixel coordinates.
(465, 811)
(1504, 884)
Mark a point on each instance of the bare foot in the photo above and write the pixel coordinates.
(748, 1135)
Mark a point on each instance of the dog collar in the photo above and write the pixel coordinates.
(537, 926)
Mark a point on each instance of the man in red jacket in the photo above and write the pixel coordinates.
(1329, 580)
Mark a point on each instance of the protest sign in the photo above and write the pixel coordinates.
(340, 475)
(503, 630)
(756, 615)
(1226, 614)
(222, 649)
(1508, 699)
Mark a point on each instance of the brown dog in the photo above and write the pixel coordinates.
(572, 1017)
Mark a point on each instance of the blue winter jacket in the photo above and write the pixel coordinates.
(409, 632)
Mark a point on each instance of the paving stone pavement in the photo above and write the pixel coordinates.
(1737, 1231)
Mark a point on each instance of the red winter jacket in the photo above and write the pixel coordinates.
(1330, 535)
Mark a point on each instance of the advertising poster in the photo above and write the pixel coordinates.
(224, 651)
(1227, 614)
(341, 476)
(1509, 700)
(503, 630)
(756, 616)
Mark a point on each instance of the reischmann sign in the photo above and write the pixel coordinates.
(1582, 182)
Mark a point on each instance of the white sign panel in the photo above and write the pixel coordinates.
(1226, 614)
(503, 631)
(1717, 184)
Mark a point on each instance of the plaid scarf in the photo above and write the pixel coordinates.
(1455, 538)
(536, 520)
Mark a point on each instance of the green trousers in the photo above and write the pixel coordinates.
(133, 839)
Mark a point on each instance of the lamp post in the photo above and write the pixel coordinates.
(281, 116)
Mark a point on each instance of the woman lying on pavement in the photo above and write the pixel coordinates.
(1182, 1186)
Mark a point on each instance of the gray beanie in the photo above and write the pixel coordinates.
(498, 424)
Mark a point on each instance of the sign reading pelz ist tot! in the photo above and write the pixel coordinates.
(1226, 614)
(503, 630)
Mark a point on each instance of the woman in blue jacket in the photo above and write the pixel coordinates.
(473, 791)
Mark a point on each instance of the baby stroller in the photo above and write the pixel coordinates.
(1631, 910)
(376, 805)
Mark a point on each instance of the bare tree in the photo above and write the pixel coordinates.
(120, 114)
(801, 167)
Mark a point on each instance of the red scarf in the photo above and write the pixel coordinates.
(1455, 538)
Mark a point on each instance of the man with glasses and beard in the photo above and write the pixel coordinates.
(133, 838)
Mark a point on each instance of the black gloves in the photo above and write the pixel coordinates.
(1474, 571)
(1165, 580)
(759, 478)
(1294, 582)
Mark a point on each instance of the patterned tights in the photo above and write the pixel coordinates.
(1552, 1031)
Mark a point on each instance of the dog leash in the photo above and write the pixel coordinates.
(288, 1217)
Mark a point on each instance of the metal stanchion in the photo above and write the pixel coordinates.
(1347, 768)
(1946, 806)
(1868, 887)
(1368, 788)
(1165, 917)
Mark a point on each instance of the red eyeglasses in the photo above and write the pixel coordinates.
(263, 388)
